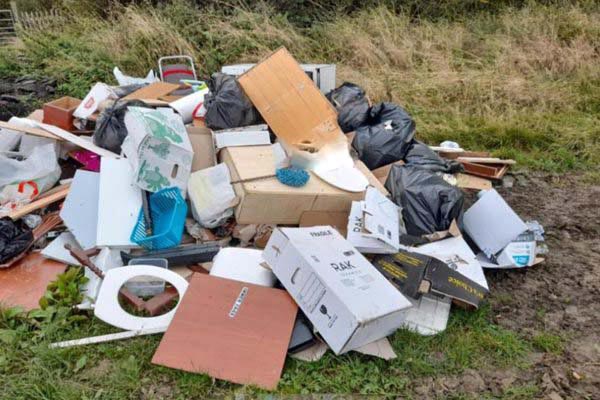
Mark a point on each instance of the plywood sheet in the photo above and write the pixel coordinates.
(290, 102)
(153, 91)
(230, 330)
(25, 283)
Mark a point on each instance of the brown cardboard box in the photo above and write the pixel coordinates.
(203, 145)
(265, 200)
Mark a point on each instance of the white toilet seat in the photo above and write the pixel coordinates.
(109, 310)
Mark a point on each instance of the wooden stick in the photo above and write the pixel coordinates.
(486, 160)
(38, 204)
(30, 131)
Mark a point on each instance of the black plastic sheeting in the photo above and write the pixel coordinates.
(351, 104)
(429, 203)
(386, 138)
(110, 129)
(227, 106)
(421, 156)
(15, 237)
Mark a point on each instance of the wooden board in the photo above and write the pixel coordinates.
(153, 91)
(489, 171)
(487, 160)
(29, 131)
(25, 283)
(290, 103)
(230, 330)
(40, 203)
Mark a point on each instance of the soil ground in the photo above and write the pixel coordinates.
(559, 298)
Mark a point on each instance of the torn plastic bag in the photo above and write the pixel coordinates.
(110, 129)
(125, 80)
(351, 104)
(227, 106)
(22, 180)
(387, 138)
(15, 238)
(420, 155)
(429, 203)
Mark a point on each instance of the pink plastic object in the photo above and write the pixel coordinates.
(90, 161)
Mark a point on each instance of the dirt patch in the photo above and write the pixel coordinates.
(562, 295)
(559, 298)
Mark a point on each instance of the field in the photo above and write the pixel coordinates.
(522, 82)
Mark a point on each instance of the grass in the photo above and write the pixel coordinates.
(121, 370)
(520, 82)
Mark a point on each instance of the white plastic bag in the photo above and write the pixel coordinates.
(21, 181)
(125, 80)
(211, 195)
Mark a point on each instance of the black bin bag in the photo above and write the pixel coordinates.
(227, 105)
(420, 155)
(429, 203)
(15, 238)
(386, 138)
(351, 104)
(110, 129)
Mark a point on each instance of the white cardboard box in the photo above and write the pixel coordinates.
(381, 218)
(348, 301)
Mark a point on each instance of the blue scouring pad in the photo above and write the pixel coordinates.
(292, 176)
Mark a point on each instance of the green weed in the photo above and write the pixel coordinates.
(549, 342)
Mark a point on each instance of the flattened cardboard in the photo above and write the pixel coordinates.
(429, 314)
(347, 300)
(290, 102)
(491, 223)
(230, 330)
(415, 274)
(201, 139)
(381, 218)
(25, 283)
(455, 252)
(153, 91)
(355, 234)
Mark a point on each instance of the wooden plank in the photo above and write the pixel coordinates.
(290, 103)
(487, 160)
(29, 131)
(490, 171)
(152, 91)
(454, 155)
(38, 204)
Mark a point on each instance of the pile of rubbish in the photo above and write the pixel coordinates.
(287, 216)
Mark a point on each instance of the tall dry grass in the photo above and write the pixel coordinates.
(522, 82)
